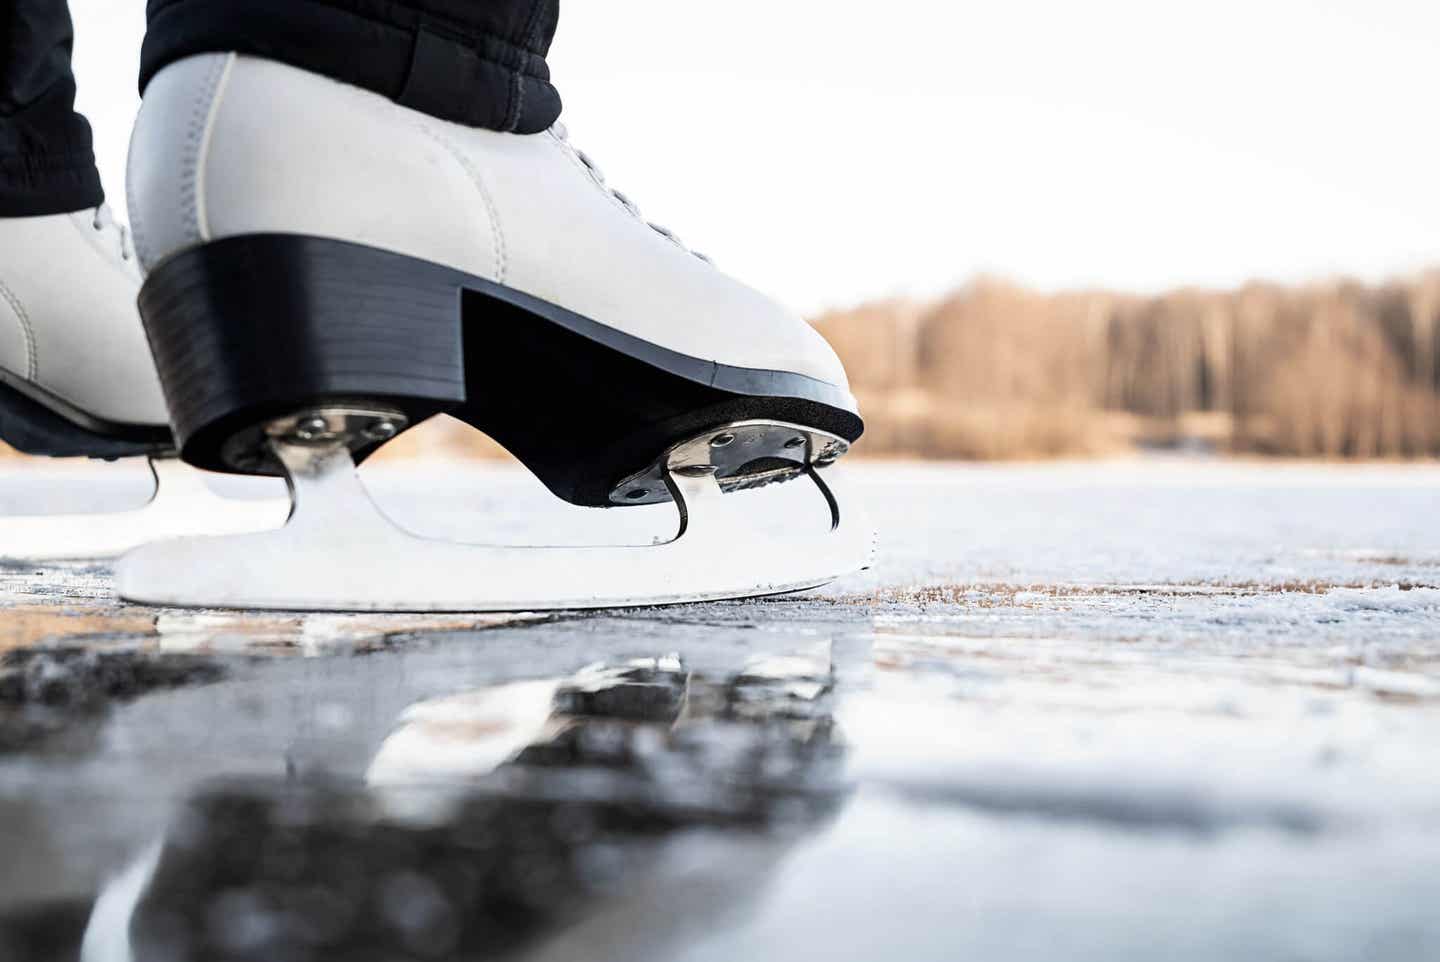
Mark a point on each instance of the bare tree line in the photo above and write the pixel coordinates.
(1337, 370)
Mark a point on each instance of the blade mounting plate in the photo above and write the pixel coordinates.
(740, 456)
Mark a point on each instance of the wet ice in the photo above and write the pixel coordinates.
(1098, 711)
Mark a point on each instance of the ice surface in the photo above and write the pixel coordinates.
(1147, 709)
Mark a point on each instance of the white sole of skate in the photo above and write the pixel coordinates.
(338, 551)
(182, 504)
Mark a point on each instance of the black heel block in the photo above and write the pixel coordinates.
(251, 328)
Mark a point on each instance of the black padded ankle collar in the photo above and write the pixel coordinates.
(477, 64)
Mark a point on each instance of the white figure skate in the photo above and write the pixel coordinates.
(338, 268)
(77, 380)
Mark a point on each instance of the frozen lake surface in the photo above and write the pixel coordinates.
(1166, 708)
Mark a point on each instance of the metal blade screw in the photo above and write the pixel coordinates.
(311, 428)
(381, 431)
(720, 440)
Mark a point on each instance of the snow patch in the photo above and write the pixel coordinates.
(1391, 599)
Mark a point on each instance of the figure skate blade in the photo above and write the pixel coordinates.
(338, 552)
(181, 504)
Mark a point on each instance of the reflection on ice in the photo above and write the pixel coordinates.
(491, 818)
(461, 737)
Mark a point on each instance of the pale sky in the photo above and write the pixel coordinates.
(830, 151)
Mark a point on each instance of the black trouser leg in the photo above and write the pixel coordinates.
(476, 62)
(47, 162)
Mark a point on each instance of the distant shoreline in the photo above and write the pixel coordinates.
(995, 371)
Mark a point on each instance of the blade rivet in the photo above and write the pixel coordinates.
(381, 431)
(695, 470)
(795, 442)
(635, 494)
(720, 440)
(311, 428)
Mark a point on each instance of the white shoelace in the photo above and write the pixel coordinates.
(564, 134)
(105, 223)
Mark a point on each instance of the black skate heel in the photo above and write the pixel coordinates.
(270, 335)
(251, 330)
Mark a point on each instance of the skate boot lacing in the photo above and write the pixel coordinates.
(104, 222)
(563, 134)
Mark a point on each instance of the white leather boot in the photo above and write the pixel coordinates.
(327, 268)
(77, 380)
(76, 376)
